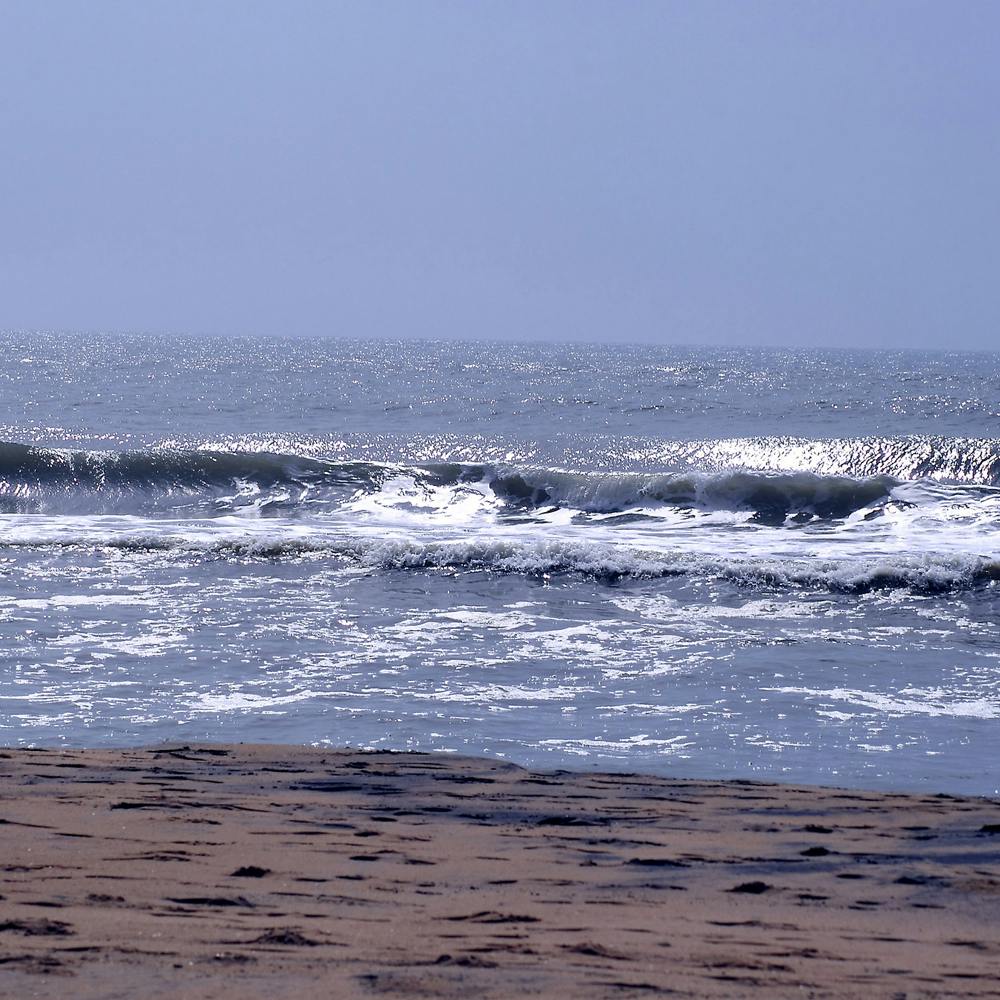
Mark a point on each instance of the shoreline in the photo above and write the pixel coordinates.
(221, 870)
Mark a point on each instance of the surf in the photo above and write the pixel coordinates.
(47, 480)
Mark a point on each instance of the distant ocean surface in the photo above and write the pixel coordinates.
(714, 562)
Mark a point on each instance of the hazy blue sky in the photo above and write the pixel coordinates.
(741, 172)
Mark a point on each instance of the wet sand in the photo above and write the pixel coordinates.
(273, 872)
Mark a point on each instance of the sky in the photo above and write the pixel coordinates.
(800, 173)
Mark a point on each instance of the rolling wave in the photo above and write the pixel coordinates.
(772, 497)
(50, 480)
(200, 482)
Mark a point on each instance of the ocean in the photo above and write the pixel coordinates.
(713, 562)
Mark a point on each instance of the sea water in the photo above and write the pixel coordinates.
(715, 562)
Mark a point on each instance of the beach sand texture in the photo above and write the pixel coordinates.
(272, 871)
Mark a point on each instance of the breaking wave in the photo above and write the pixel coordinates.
(830, 531)
(612, 563)
(606, 562)
(54, 481)
(772, 497)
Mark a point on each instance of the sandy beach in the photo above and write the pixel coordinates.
(272, 871)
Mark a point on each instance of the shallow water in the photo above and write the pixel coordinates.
(702, 562)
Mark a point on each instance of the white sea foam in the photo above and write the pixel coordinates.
(910, 701)
(761, 557)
